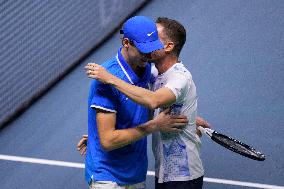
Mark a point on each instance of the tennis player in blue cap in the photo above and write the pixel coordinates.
(117, 147)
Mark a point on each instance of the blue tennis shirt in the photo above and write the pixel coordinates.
(126, 165)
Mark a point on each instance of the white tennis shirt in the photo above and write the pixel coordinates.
(177, 154)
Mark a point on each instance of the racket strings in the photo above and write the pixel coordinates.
(237, 146)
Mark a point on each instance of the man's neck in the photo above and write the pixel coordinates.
(137, 70)
(164, 64)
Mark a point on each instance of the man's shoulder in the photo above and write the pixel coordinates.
(110, 64)
(113, 67)
(180, 69)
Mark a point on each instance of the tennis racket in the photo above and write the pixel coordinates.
(233, 144)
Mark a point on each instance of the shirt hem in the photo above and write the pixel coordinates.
(180, 178)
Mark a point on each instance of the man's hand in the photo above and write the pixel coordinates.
(82, 145)
(201, 122)
(170, 123)
(98, 72)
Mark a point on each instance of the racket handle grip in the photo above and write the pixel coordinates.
(206, 131)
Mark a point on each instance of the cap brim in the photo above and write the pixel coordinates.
(149, 46)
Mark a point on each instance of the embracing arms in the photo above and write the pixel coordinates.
(150, 99)
(111, 138)
(110, 141)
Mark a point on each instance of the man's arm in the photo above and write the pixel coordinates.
(150, 99)
(111, 138)
(82, 144)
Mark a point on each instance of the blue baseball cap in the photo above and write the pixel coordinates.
(143, 32)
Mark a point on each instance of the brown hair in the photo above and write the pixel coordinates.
(174, 31)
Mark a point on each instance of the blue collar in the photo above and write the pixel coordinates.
(130, 74)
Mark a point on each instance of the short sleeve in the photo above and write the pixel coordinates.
(103, 97)
(178, 83)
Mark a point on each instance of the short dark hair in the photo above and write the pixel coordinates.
(174, 31)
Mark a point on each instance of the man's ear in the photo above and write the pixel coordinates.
(125, 43)
(169, 47)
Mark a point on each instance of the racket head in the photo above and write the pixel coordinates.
(237, 146)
